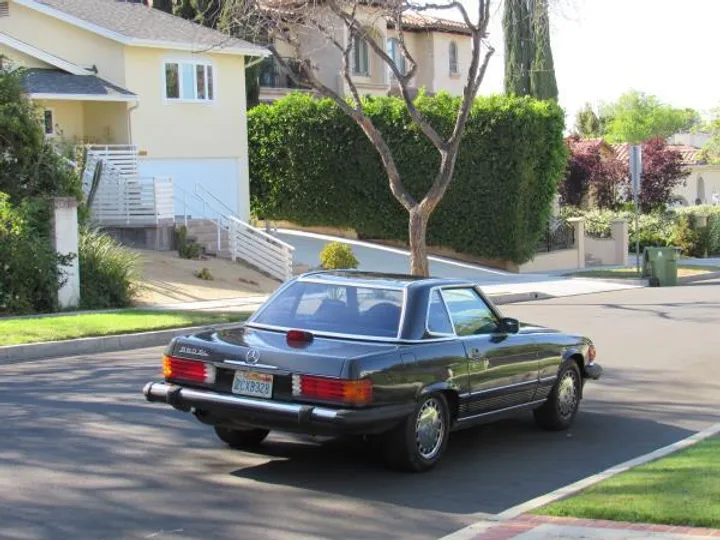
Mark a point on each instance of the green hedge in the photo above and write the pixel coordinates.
(312, 165)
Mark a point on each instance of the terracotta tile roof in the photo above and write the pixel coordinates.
(587, 145)
(690, 155)
(135, 21)
(416, 22)
(622, 151)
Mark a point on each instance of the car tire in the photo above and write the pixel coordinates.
(419, 441)
(241, 438)
(559, 410)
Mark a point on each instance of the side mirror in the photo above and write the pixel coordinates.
(510, 326)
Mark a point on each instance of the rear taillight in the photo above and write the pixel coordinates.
(188, 370)
(354, 392)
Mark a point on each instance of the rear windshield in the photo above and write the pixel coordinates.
(339, 309)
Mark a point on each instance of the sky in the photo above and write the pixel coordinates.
(603, 48)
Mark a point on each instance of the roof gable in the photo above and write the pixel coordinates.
(138, 25)
(43, 56)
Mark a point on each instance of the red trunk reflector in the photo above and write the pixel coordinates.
(188, 370)
(355, 392)
(298, 338)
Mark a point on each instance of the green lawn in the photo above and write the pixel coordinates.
(69, 326)
(681, 489)
(630, 272)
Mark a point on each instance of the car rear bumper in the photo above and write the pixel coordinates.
(217, 408)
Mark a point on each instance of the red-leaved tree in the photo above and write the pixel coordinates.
(663, 171)
(591, 176)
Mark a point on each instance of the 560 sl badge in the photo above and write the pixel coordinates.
(194, 351)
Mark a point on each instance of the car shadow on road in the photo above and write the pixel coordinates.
(486, 469)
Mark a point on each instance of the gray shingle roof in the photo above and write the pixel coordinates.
(54, 81)
(136, 21)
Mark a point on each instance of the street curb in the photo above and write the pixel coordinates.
(513, 298)
(571, 489)
(13, 354)
(698, 277)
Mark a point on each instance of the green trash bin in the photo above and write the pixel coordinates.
(660, 266)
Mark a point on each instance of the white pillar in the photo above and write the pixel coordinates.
(620, 236)
(578, 224)
(65, 242)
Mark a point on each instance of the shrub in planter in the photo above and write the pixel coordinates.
(337, 256)
(108, 272)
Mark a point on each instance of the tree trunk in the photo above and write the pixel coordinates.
(419, 265)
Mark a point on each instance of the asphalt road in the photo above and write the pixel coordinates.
(83, 456)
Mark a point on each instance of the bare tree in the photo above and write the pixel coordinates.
(296, 25)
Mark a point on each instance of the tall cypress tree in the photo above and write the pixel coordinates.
(542, 69)
(529, 68)
(163, 5)
(185, 9)
(517, 47)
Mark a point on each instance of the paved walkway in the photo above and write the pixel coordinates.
(529, 527)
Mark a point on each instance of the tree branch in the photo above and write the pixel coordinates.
(452, 5)
(357, 29)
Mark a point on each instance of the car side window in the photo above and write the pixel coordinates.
(438, 320)
(470, 314)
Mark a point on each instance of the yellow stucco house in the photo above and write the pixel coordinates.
(165, 95)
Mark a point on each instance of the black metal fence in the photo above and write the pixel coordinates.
(559, 235)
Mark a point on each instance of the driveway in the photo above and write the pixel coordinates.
(84, 456)
(378, 258)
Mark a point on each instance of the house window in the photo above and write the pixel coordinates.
(48, 122)
(189, 81)
(453, 58)
(4, 9)
(395, 52)
(361, 58)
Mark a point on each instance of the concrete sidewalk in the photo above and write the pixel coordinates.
(500, 293)
(529, 527)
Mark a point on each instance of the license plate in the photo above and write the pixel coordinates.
(252, 383)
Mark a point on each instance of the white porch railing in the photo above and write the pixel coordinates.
(262, 250)
(123, 197)
(123, 157)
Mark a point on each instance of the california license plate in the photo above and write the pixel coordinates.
(252, 383)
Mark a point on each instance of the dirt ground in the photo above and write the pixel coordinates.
(168, 279)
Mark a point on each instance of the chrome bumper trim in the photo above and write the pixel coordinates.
(168, 393)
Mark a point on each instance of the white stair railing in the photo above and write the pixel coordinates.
(260, 249)
(122, 196)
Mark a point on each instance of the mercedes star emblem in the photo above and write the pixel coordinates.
(252, 356)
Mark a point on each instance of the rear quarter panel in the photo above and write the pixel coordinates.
(404, 375)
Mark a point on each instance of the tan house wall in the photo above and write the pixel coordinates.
(68, 117)
(66, 41)
(172, 129)
(711, 180)
(106, 123)
(21, 58)
(442, 80)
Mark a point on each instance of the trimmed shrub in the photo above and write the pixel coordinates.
(337, 256)
(108, 272)
(311, 164)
